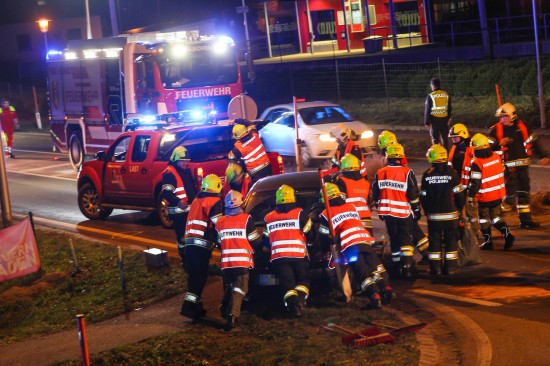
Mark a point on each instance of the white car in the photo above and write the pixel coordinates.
(314, 124)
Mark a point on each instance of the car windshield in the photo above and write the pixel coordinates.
(202, 143)
(324, 114)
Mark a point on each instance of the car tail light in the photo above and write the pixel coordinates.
(200, 173)
(281, 164)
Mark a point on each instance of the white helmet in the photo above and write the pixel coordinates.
(233, 199)
(340, 132)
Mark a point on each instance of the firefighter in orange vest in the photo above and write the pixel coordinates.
(174, 194)
(237, 236)
(511, 139)
(237, 179)
(437, 113)
(460, 158)
(356, 188)
(442, 198)
(9, 123)
(200, 238)
(289, 228)
(395, 193)
(355, 247)
(420, 239)
(346, 145)
(487, 189)
(250, 150)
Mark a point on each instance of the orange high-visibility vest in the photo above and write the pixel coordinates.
(492, 178)
(357, 193)
(285, 234)
(179, 190)
(253, 154)
(348, 226)
(235, 248)
(198, 220)
(392, 181)
(466, 164)
(527, 143)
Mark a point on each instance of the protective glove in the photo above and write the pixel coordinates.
(471, 207)
(381, 217)
(417, 214)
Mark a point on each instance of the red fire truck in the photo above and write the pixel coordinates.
(97, 86)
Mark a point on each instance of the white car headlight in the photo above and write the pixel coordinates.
(326, 137)
(367, 134)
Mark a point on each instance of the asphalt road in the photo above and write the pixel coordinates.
(497, 311)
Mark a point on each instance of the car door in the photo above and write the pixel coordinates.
(127, 178)
(279, 136)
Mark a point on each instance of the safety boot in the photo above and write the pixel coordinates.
(232, 323)
(387, 295)
(529, 224)
(487, 240)
(375, 301)
(508, 237)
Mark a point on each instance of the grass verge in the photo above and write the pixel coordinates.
(47, 301)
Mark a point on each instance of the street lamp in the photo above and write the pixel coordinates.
(43, 24)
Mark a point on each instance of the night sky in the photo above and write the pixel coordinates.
(131, 13)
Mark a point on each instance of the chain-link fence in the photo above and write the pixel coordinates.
(340, 80)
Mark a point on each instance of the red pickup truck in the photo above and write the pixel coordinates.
(129, 174)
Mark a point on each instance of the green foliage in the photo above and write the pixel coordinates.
(95, 291)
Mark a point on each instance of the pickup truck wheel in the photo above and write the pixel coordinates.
(89, 203)
(162, 211)
(76, 151)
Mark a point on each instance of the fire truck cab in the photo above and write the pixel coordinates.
(96, 86)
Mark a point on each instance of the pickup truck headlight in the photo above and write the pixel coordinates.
(326, 137)
(367, 134)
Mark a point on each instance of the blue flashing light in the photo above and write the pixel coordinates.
(148, 118)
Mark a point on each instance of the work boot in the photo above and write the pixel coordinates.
(375, 301)
(387, 295)
(189, 310)
(529, 224)
(488, 240)
(232, 323)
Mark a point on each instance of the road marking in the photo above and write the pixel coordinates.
(480, 338)
(40, 152)
(41, 175)
(454, 297)
(46, 167)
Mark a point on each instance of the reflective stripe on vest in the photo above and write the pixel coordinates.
(285, 234)
(449, 216)
(235, 248)
(492, 178)
(198, 219)
(392, 181)
(348, 226)
(440, 101)
(527, 140)
(253, 154)
(179, 190)
(357, 193)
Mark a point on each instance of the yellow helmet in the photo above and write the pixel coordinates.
(340, 131)
(179, 153)
(386, 138)
(459, 130)
(395, 151)
(437, 154)
(285, 194)
(507, 109)
(332, 192)
(211, 183)
(239, 131)
(480, 141)
(350, 163)
(233, 199)
(234, 173)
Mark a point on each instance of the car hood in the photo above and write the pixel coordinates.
(356, 126)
